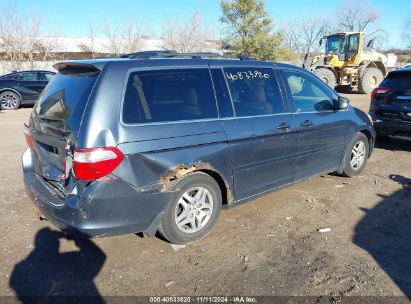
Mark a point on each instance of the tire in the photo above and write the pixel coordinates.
(178, 210)
(9, 100)
(362, 146)
(370, 80)
(327, 76)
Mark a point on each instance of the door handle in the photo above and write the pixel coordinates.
(283, 126)
(306, 123)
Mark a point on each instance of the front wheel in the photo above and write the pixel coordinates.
(356, 156)
(9, 100)
(194, 209)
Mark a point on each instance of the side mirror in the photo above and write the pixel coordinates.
(341, 103)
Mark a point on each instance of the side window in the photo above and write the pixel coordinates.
(169, 95)
(254, 91)
(27, 76)
(223, 96)
(8, 77)
(307, 94)
(47, 76)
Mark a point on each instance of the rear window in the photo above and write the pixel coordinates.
(8, 77)
(63, 101)
(398, 81)
(169, 95)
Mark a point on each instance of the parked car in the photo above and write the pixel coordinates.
(145, 145)
(22, 88)
(390, 106)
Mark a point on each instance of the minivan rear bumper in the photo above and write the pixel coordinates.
(102, 208)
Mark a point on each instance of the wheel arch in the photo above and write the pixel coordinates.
(10, 89)
(182, 170)
(373, 64)
(370, 138)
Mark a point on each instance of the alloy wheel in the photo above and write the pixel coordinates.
(194, 209)
(357, 155)
(9, 100)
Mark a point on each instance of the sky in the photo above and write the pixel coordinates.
(72, 17)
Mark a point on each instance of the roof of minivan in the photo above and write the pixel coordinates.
(101, 62)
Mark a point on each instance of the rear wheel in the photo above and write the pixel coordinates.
(357, 155)
(9, 100)
(371, 79)
(194, 209)
(327, 76)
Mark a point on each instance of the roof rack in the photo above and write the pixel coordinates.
(174, 54)
(149, 54)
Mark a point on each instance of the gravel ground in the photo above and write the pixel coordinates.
(270, 246)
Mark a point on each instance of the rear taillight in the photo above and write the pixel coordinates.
(94, 163)
(379, 91)
(29, 139)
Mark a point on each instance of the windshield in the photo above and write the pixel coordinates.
(63, 101)
(335, 45)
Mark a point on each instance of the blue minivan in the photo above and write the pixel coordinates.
(162, 144)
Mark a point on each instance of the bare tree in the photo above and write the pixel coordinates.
(124, 39)
(407, 31)
(359, 16)
(186, 35)
(303, 35)
(356, 16)
(20, 42)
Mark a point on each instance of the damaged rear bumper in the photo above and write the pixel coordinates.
(101, 208)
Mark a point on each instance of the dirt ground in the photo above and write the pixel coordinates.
(270, 246)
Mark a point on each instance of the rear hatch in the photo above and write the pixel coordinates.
(56, 118)
(394, 96)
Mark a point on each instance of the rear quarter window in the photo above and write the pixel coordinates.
(169, 95)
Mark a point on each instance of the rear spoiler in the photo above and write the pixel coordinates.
(83, 69)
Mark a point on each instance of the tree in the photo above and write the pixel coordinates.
(186, 36)
(21, 45)
(359, 16)
(303, 35)
(356, 16)
(407, 31)
(124, 39)
(250, 30)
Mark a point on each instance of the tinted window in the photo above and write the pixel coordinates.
(47, 76)
(8, 77)
(169, 95)
(254, 91)
(400, 81)
(27, 76)
(64, 99)
(225, 106)
(307, 94)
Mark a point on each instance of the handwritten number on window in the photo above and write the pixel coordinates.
(246, 75)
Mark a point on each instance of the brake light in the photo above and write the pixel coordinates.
(379, 91)
(94, 163)
(29, 139)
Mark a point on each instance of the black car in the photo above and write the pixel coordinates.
(22, 88)
(390, 107)
(162, 144)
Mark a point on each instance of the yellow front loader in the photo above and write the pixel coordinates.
(346, 62)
